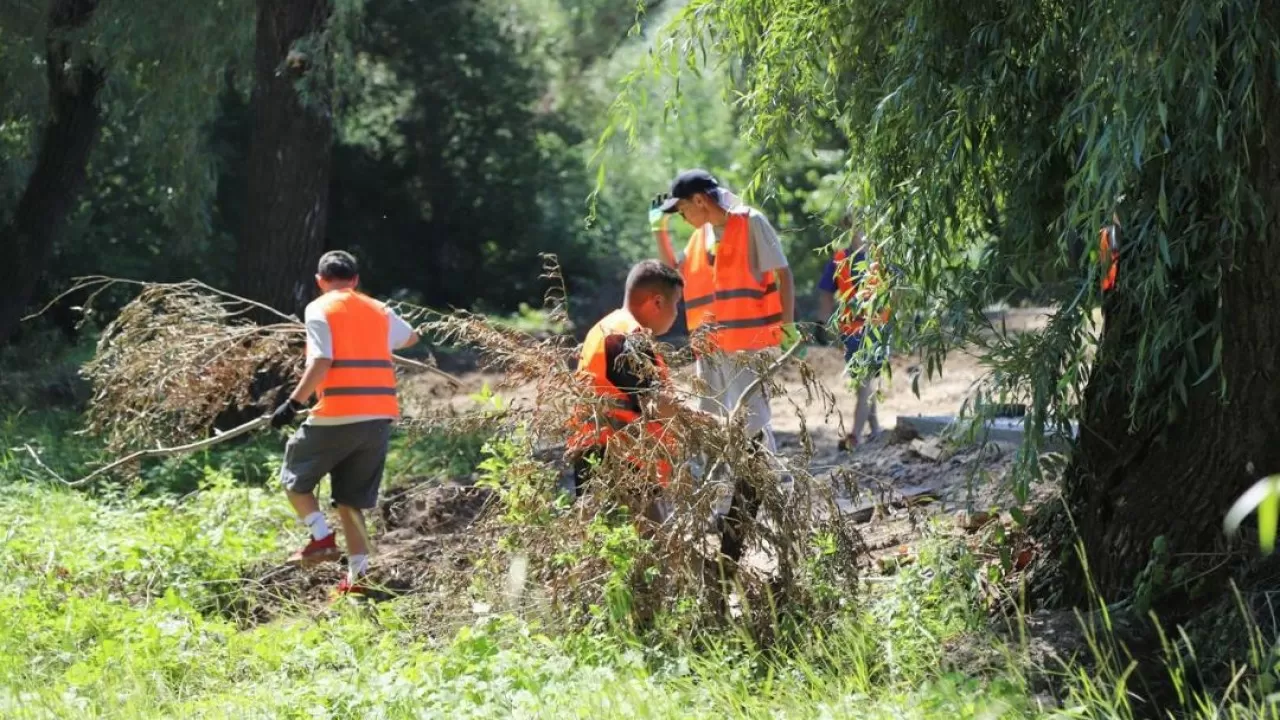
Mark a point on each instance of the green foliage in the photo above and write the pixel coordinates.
(97, 629)
(465, 135)
(136, 550)
(112, 610)
(991, 140)
(163, 62)
(436, 452)
(533, 321)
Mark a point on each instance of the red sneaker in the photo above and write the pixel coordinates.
(317, 551)
(346, 587)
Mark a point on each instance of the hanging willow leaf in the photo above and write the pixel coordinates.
(1023, 126)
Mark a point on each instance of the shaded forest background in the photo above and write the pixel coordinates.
(463, 142)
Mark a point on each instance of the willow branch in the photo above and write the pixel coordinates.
(759, 381)
(453, 380)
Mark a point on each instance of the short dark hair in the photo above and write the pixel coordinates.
(338, 265)
(653, 276)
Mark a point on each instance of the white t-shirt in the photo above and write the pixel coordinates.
(764, 248)
(320, 345)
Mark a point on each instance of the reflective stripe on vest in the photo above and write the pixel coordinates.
(596, 425)
(361, 379)
(753, 293)
(850, 294)
(740, 311)
(1109, 251)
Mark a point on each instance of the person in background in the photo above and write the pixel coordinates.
(848, 280)
(738, 285)
(350, 338)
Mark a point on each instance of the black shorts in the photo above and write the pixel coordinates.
(352, 455)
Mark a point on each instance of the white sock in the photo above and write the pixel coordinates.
(357, 565)
(316, 523)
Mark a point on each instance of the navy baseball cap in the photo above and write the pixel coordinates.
(686, 185)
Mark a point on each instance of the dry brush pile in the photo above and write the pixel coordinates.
(179, 355)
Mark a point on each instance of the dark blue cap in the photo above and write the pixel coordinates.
(686, 185)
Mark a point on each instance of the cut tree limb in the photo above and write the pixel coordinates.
(758, 383)
(95, 284)
(234, 432)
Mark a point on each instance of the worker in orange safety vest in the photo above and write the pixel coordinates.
(739, 287)
(619, 365)
(850, 279)
(350, 338)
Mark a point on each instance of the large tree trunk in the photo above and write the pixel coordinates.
(289, 160)
(61, 164)
(1177, 480)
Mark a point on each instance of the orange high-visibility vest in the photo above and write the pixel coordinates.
(596, 429)
(720, 291)
(362, 379)
(849, 293)
(1109, 250)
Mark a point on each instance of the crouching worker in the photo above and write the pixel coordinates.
(350, 338)
(620, 366)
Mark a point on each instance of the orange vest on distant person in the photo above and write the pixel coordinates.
(720, 291)
(362, 379)
(1109, 250)
(850, 293)
(596, 431)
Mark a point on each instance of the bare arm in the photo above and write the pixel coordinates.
(315, 373)
(666, 252)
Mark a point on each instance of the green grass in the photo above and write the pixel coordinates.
(110, 604)
(106, 616)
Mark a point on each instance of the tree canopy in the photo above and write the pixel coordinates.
(988, 143)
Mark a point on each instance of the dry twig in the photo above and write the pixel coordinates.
(180, 355)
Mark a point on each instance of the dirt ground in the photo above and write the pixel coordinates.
(965, 480)
(890, 485)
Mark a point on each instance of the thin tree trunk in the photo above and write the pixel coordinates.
(1177, 480)
(61, 167)
(290, 151)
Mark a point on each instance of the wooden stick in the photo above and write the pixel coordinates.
(456, 382)
(759, 381)
(235, 432)
(36, 456)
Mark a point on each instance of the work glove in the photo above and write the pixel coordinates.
(285, 414)
(657, 218)
(791, 336)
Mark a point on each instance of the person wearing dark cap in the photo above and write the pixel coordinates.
(738, 289)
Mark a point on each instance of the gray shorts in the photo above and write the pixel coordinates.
(353, 456)
(727, 378)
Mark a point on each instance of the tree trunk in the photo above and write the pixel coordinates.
(290, 146)
(1177, 480)
(61, 164)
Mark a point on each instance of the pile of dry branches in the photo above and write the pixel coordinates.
(181, 354)
(802, 552)
(178, 356)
